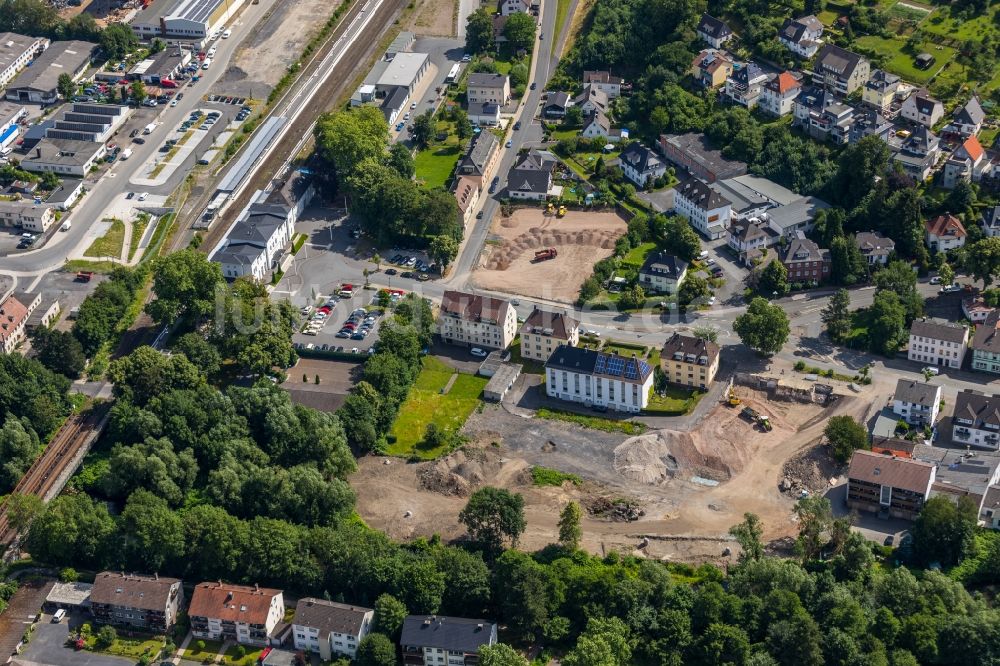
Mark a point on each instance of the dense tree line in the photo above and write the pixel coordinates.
(352, 147)
(102, 312)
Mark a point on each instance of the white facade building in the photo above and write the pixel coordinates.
(916, 402)
(247, 615)
(708, 211)
(476, 321)
(596, 379)
(976, 421)
(937, 343)
(330, 629)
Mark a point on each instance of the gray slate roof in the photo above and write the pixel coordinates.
(448, 633)
(938, 330)
(700, 194)
(916, 393)
(970, 114)
(330, 617)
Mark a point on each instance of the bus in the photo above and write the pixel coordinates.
(453, 74)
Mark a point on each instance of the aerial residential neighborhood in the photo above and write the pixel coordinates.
(447, 333)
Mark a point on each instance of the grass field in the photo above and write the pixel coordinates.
(110, 244)
(211, 649)
(435, 165)
(676, 402)
(138, 229)
(592, 422)
(901, 63)
(134, 648)
(637, 255)
(425, 404)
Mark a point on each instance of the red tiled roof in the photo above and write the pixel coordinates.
(233, 603)
(944, 225)
(12, 313)
(786, 82)
(973, 148)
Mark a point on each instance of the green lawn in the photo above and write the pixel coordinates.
(546, 476)
(138, 229)
(560, 134)
(435, 165)
(110, 244)
(592, 422)
(531, 366)
(425, 404)
(562, 11)
(211, 649)
(902, 63)
(133, 648)
(232, 656)
(637, 255)
(623, 349)
(676, 402)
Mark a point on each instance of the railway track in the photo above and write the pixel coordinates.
(43, 475)
(328, 90)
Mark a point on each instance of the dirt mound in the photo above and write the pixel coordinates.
(536, 238)
(469, 468)
(658, 456)
(811, 469)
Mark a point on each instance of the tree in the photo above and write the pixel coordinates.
(815, 517)
(763, 327)
(900, 278)
(845, 436)
(185, 284)
(944, 531)
(748, 534)
(479, 32)
(837, 317)
(570, 531)
(347, 138)
(606, 642)
(423, 129)
(117, 40)
(106, 636)
(573, 117)
(389, 615)
(19, 446)
(22, 510)
(401, 160)
(443, 250)
(66, 86)
(982, 260)
(138, 91)
(156, 45)
(632, 298)
(376, 650)
(494, 516)
(146, 373)
(946, 273)
(500, 654)
(887, 323)
(847, 266)
(675, 236)
(520, 31)
(694, 290)
(705, 333)
(463, 126)
(59, 351)
(203, 354)
(153, 534)
(773, 280)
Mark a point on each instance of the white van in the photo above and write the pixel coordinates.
(207, 63)
(66, 226)
(58, 616)
(226, 34)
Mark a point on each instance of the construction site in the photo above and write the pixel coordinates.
(538, 253)
(667, 493)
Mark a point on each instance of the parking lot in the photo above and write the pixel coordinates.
(344, 325)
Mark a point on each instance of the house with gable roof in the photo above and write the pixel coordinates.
(985, 345)
(944, 232)
(802, 36)
(922, 109)
(746, 85)
(888, 485)
(968, 119)
(919, 154)
(779, 94)
(708, 211)
(713, 31)
(937, 343)
(967, 163)
(839, 70)
(476, 321)
(640, 164)
(880, 90)
(711, 68)
(976, 421)
(594, 378)
(531, 178)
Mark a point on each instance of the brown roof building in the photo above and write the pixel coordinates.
(328, 628)
(13, 316)
(147, 603)
(543, 331)
(247, 615)
(891, 486)
(945, 232)
(689, 361)
(476, 321)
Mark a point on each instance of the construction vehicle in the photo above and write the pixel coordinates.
(84, 276)
(755, 417)
(733, 399)
(546, 254)
(562, 211)
(764, 423)
(549, 209)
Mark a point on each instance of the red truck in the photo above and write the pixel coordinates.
(546, 254)
(84, 276)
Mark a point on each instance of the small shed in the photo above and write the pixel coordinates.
(502, 381)
(924, 60)
(69, 596)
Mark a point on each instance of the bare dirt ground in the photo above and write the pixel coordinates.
(581, 238)
(275, 43)
(436, 18)
(667, 474)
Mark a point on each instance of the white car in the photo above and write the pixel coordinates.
(709, 261)
(931, 370)
(476, 351)
(143, 196)
(173, 102)
(936, 279)
(703, 254)
(211, 51)
(227, 34)
(593, 333)
(711, 300)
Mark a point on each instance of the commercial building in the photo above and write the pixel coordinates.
(256, 242)
(693, 153)
(184, 19)
(917, 403)
(543, 331)
(985, 345)
(65, 157)
(330, 629)
(976, 420)
(85, 121)
(597, 379)
(13, 317)
(840, 71)
(402, 70)
(16, 51)
(662, 272)
(134, 601)
(247, 615)
(25, 214)
(937, 343)
(436, 640)
(889, 486)
(689, 361)
(708, 211)
(476, 321)
(39, 84)
(165, 65)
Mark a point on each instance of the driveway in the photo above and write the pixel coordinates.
(48, 647)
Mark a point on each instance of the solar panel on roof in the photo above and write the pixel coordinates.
(615, 366)
(599, 367)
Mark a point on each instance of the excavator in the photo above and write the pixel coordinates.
(733, 399)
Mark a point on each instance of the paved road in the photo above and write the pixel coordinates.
(114, 183)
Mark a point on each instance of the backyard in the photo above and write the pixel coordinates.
(435, 163)
(673, 401)
(434, 398)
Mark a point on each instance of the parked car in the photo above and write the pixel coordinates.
(391, 271)
(476, 351)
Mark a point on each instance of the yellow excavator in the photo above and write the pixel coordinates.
(562, 211)
(733, 399)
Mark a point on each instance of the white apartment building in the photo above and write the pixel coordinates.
(977, 420)
(916, 402)
(247, 615)
(779, 94)
(483, 88)
(544, 331)
(256, 242)
(330, 629)
(476, 321)
(937, 343)
(435, 640)
(13, 316)
(596, 379)
(708, 211)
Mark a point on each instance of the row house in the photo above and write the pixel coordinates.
(976, 421)
(805, 261)
(596, 379)
(890, 486)
(476, 321)
(247, 615)
(481, 158)
(707, 211)
(937, 343)
(330, 629)
(713, 31)
(133, 601)
(779, 94)
(919, 154)
(968, 163)
(467, 191)
(689, 361)
(746, 85)
(436, 640)
(917, 403)
(544, 331)
(922, 109)
(944, 232)
(874, 247)
(711, 68)
(985, 345)
(802, 36)
(840, 71)
(881, 90)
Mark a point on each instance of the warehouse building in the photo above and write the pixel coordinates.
(184, 19)
(39, 84)
(16, 51)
